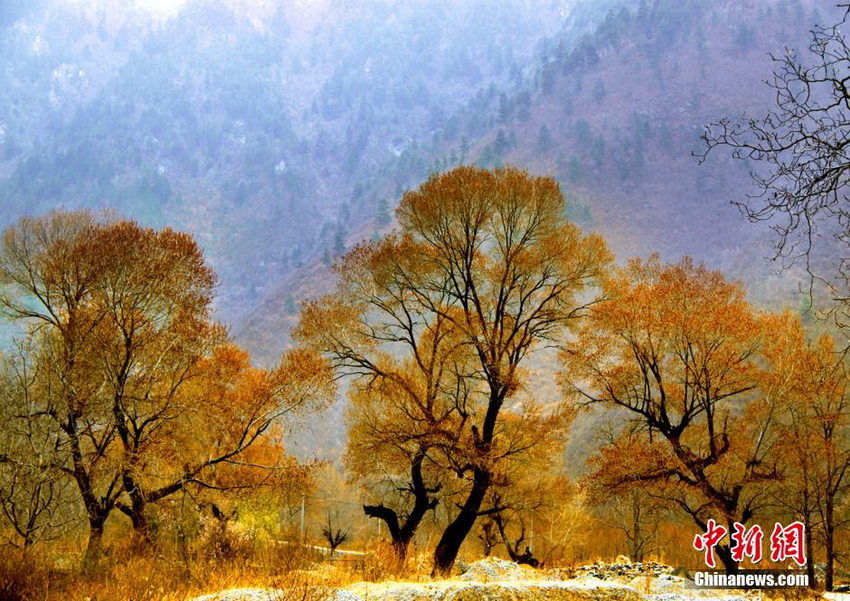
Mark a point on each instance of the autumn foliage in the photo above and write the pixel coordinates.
(436, 321)
(123, 387)
(122, 394)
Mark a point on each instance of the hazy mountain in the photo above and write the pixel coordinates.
(283, 133)
(259, 126)
(613, 105)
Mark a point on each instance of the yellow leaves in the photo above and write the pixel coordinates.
(302, 382)
(435, 321)
(578, 258)
(627, 462)
(233, 394)
(130, 349)
(446, 201)
(231, 407)
(452, 205)
(502, 233)
(678, 334)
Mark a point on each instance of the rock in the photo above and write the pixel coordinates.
(517, 590)
(344, 595)
(244, 594)
(461, 566)
(493, 568)
(623, 571)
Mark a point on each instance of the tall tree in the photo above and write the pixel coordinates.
(497, 257)
(815, 450)
(153, 292)
(48, 273)
(129, 359)
(491, 254)
(409, 394)
(678, 348)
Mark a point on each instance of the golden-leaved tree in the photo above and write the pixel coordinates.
(140, 387)
(679, 349)
(489, 258)
(811, 378)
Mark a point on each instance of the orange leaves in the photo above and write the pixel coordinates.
(484, 267)
(235, 400)
(144, 385)
(680, 350)
(435, 323)
(302, 382)
(669, 338)
(630, 460)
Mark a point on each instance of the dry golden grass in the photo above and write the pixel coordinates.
(172, 573)
(128, 574)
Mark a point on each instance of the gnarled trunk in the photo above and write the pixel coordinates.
(137, 509)
(402, 534)
(456, 532)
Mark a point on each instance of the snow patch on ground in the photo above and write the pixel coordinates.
(494, 579)
(244, 594)
(493, 568)
(587, 589)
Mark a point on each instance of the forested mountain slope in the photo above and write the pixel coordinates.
(258, 126)
(281, 134)
(615, 111)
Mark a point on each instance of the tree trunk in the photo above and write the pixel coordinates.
(390, 518)
(456, 532)
(810, 564)
(402, 534)
(141, 527)
(458, 529)
(724, 554)
(97, 510)
(829, 544)
(94, 548)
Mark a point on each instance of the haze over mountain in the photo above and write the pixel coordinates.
(613, 105)
(281, 133)
(259, 126)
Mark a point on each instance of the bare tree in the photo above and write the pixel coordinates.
(334, 534)
(802, 150)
